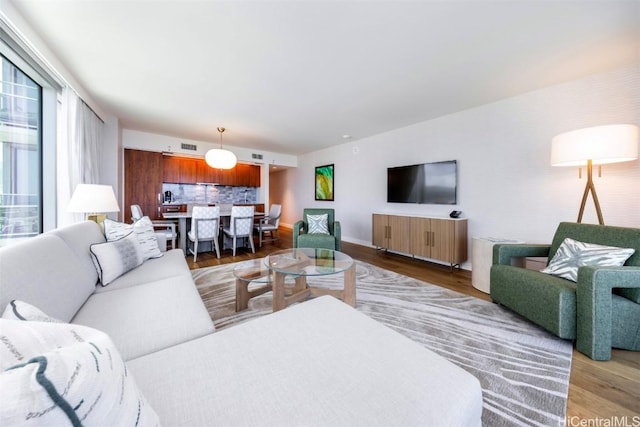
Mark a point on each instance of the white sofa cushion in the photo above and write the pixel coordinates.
(319, 363)
(143, 230)
(170, 265)
(148, 317)
(62, 374)
(20, 310)
(45, 272)
(113, 259)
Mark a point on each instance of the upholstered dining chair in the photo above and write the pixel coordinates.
(269, 224)
(205, 226)
(317, 229)
(241, 225)
(166, 228)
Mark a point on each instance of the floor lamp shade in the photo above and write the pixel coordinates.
(93, 199)
(595, 146)
(600, 144)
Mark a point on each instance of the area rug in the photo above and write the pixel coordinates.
(524, 371)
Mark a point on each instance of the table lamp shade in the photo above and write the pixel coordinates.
(600, 144)
(93, 198)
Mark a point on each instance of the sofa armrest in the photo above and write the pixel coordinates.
(502, 253)
(594, 307)
(337, 233)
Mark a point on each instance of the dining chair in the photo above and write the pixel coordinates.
(166, 228)
(241, 225)
(269, 224)
(205, 223)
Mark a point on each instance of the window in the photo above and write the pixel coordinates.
(20, 155)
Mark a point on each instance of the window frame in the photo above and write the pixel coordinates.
(47, 131)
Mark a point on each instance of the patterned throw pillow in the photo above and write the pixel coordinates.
(573, 254)
(113, 259)
(20, 310)
(63, 374)
(318, 224)
(143, 229)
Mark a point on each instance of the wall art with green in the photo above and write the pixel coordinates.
(324, 182)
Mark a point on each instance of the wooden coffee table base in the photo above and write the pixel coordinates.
(301, 290)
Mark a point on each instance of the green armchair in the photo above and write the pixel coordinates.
(600, 311)
(303, 239)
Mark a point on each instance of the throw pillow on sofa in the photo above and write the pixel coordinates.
(20, 310)
(142, 228)
(573, 254)
(64, 374)
(113, 259)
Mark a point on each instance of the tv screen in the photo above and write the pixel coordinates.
(427, 183)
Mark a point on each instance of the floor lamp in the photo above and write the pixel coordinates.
(594, 146)
(93, 200)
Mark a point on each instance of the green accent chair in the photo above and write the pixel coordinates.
(303, 239)
(599, 311)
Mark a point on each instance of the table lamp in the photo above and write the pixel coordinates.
(595, 146)
(93, 200)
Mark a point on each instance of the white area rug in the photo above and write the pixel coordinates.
(524, 370)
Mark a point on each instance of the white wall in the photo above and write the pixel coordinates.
(506, 187)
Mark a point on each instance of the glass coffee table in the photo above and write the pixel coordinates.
(253, 273)
(302, 263)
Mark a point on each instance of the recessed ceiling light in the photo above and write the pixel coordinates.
(346, 136)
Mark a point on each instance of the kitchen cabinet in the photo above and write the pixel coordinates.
(207, 174)
(189, 170)
(171, 169)
(441, 239)
(143, 175)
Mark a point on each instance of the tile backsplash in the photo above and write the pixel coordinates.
(200, 193)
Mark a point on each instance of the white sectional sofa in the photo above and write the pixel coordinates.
(319, 363)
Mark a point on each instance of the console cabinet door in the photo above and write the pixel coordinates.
(400, 233)
(391, 232)
(380, 230)
(440, 239)
(421, 237)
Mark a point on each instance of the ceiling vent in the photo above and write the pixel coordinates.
(256, 156)
(190, 147)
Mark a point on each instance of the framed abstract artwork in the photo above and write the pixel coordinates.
(324, 182)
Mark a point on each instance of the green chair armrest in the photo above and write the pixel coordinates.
(337, 233)
(502, 253)
(594, 305)
(298, 226)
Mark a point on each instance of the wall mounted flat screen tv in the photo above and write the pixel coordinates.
(427, 183)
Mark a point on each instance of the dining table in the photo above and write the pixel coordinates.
(183, 222)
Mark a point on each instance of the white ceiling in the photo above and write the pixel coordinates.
(295, 76)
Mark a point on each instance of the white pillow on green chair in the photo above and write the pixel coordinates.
(318, 224)
(573, 254)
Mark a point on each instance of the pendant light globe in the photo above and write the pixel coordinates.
(220, 158)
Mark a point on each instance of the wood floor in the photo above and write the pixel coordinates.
(606, 391)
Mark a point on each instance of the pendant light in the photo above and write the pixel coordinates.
(219, 158)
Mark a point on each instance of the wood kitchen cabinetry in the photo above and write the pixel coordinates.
(441, 239)
(143, 174)
(188, 170)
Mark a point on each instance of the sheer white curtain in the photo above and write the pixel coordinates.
(78, 151)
